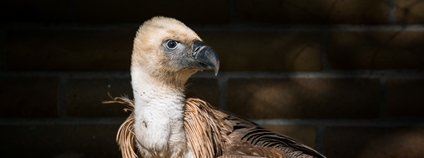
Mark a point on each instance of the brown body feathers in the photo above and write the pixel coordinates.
(212, 133)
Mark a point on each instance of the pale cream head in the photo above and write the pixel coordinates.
(168, 49)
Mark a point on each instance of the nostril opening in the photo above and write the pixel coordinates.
(197, 49)
(198, 45)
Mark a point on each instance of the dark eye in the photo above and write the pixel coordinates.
(171, 44)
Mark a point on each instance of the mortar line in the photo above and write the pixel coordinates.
(71, 11)
(63, 82)
(309, 122)
(391, 16)
(328, 74)
(223, 92)
(232, 11)
(2, 53)
(344, 122)
(234, 27)
(61, 121)
(86, 75)
(319, 139)
(383, 110)
(396, 74)
(324, 54)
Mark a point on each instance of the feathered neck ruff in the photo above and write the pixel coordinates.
(205, 135)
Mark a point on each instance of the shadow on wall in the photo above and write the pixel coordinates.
(376, 50)
(375, 141)
(304, 98)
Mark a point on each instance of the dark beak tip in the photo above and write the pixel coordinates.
(214, 63)
(216, 69)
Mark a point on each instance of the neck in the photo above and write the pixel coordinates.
(158, 115)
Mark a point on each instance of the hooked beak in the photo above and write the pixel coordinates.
(206, 57)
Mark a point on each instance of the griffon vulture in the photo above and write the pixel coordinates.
(164, 123)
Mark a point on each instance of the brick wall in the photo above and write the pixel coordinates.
(345, 77)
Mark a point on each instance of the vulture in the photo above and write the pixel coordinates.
(165, 123)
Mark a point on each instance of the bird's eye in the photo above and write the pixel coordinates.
(171, 44)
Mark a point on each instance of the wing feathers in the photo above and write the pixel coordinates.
(258, 136)
(204, 134)
(212, 133)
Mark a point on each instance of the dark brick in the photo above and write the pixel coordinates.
(304, 134)
(113, 12)
(304, 98)
(374, 142)
(376, 50)
(68, 50)
(259, 51)
(314, 12)
(410, 11)
(404, 98)
(28, 97)
(84, 97)
(47, 11)
(188, 11)
(203, 88)
(66, 140)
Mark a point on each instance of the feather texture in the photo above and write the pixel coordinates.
(125, 136)
(205, 135)
(164, 123)
(212, 133)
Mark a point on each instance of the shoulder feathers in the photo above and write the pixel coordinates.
(212, 133)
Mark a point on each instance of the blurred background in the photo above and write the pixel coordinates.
(343, 76)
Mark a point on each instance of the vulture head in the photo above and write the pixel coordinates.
(167, 49)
